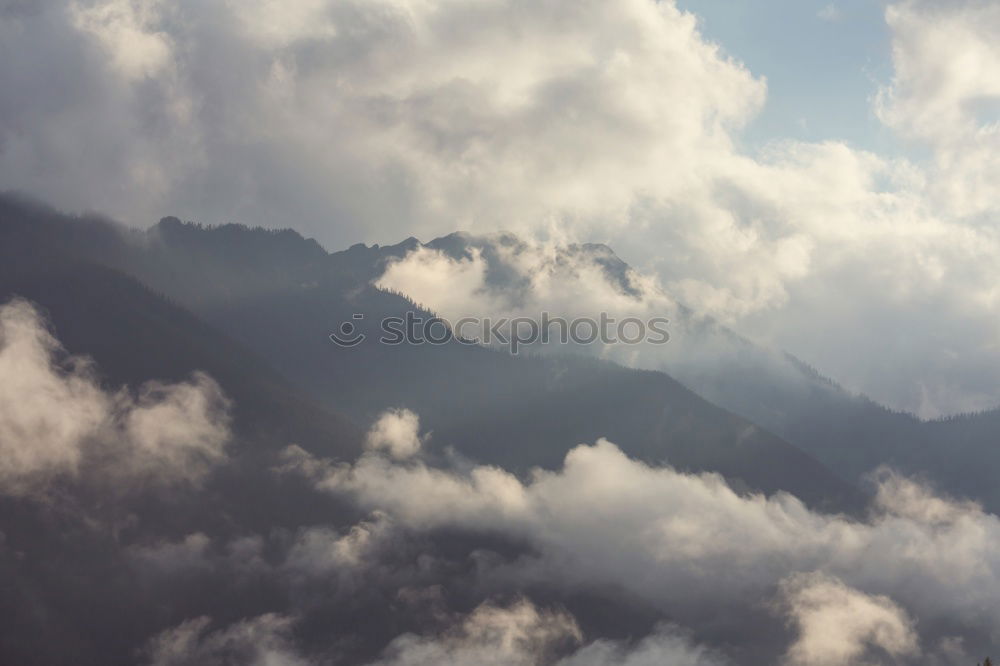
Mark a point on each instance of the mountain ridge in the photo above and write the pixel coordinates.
(283, 310)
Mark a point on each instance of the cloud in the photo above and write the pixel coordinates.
(431, 111)
(396, 431)
(699, 553)
(479, 498)
(176, 432)
(667, 646)
(189, 553)
(56, 421)
(343, 563)
(44, 415)
(741, 578)
(518, 635)
(510, 276)
(521, 634)
(260, 641)
(501, 276)
(323, 550)
(124, 29)
(945, 93)
(838, 625)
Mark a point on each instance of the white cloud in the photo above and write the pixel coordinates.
(176, 432)
(946, 93)
(436, 112)
(488, 492)
(521, 634)
(729, 567)
(691, 547)
(838, 625)
(126, 29)
(540, 276)
(396, 431)
(44, 414)
(56, 420)
(518, 635)
(280, 24)
(567, 281)
(261, 641)
(342, 563)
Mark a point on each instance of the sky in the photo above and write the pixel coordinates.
(823, 62)
(820, 177)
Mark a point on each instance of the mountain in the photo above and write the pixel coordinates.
(67, 565)
(280, 296)
(266, 561)
(134, 334)
(849, 433)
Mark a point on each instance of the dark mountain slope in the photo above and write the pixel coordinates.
(849, 433)
(135, 335)
(281, 296)
(76, 597)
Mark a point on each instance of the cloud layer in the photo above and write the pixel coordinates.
(519, 634)
(463, 564)
(58, 422)
(915, 579)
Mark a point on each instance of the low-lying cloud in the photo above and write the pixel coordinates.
(58, 422)
(396, 431)
(265, 640)
(839, 625)
(915, 579)
(463, 565)
(518, 634)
